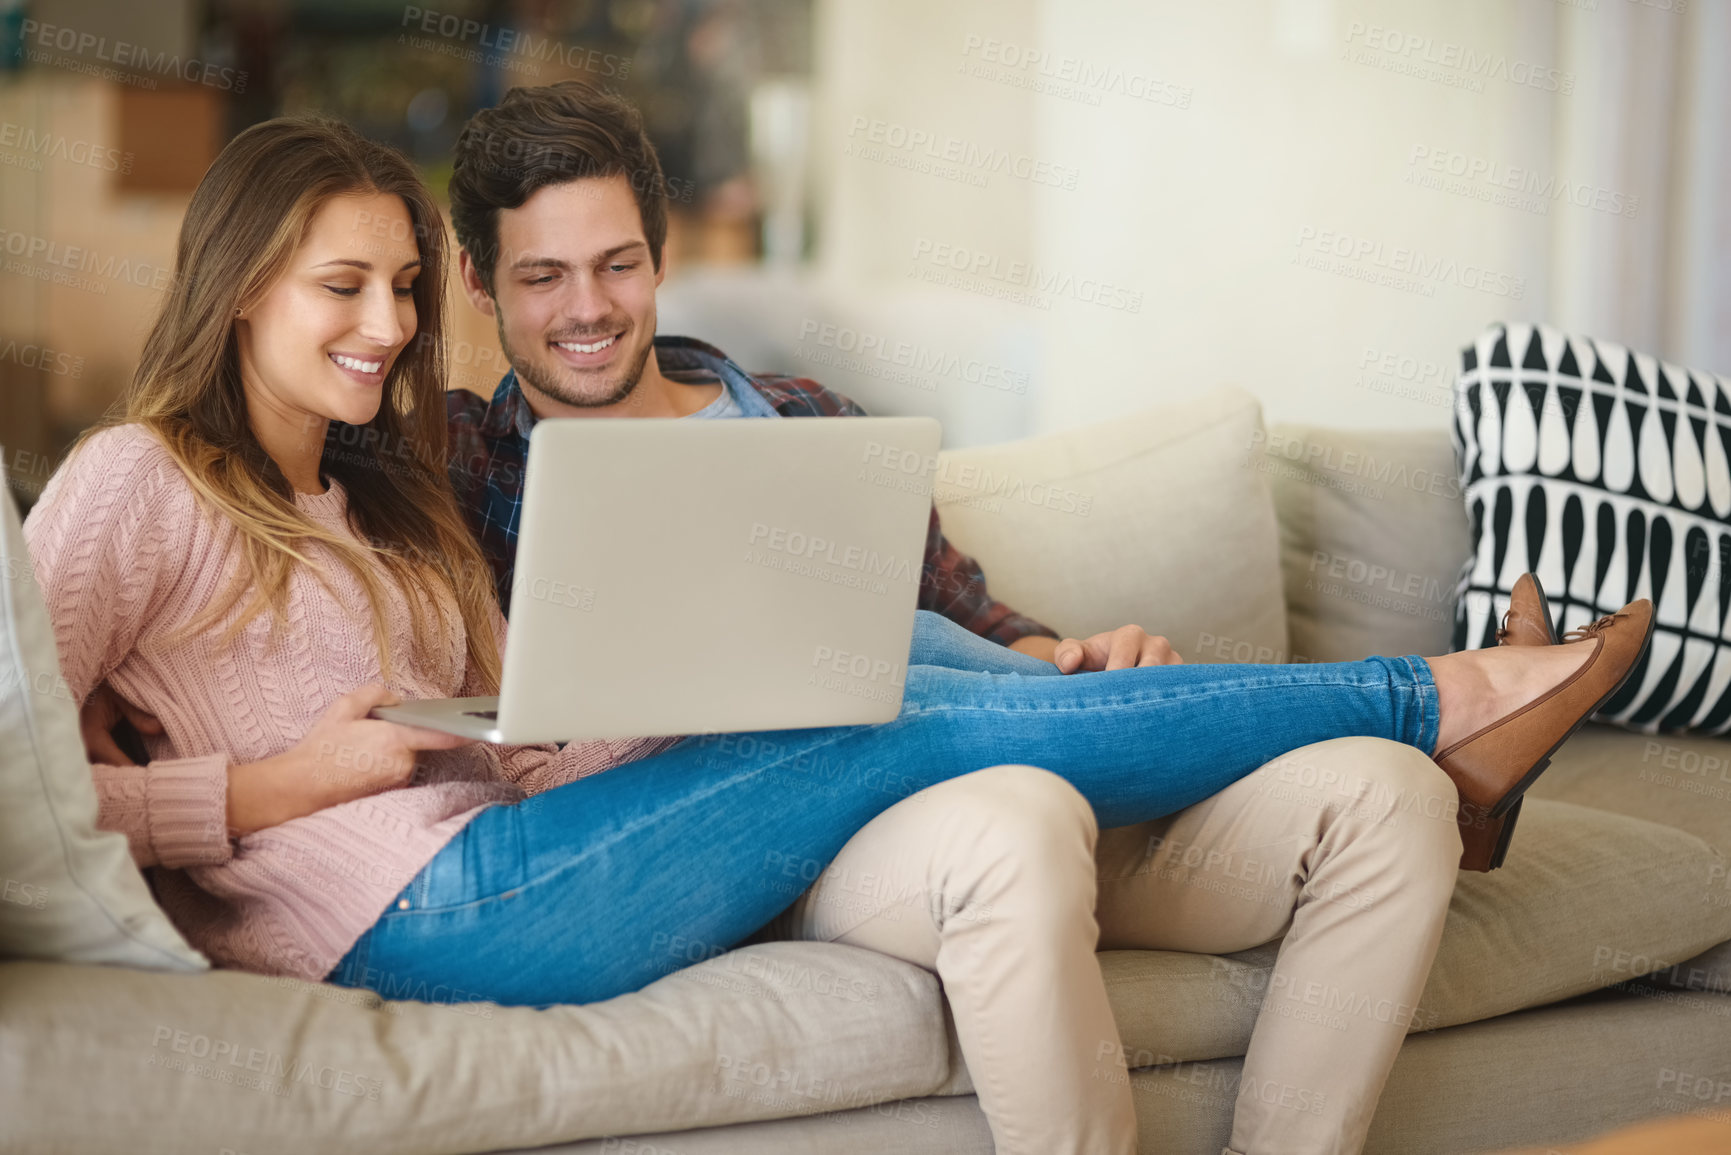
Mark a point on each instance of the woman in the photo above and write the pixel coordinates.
(260, 546)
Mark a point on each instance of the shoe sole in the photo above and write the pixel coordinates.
(1545, 608)
(1508, 832)
(1508, 800)
(1506, 824)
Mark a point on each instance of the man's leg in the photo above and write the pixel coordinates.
(1347, 847)
(988, 880)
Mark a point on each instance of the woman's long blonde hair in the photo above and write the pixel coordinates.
(244, 223)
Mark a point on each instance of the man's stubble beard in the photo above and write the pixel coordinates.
(545, 382)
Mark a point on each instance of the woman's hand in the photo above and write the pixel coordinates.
(345, 756)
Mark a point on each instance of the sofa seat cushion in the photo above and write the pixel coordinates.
(1584, 894)
(106, 1059)
(1682, 780)
(1111, 524)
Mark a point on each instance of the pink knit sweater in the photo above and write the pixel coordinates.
(126, 555)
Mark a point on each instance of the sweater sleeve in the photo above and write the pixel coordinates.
(537, 768)
(106, 541)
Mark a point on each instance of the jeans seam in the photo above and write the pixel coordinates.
(1430, 711)
(1120, 703)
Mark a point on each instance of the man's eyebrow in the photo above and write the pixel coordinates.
(537, 262)
(617, 249)
(367, 266)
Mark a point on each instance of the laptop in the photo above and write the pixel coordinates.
(689, 577)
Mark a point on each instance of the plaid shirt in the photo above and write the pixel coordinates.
(489, 445)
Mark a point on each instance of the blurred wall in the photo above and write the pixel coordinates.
(1032, 214)
(1320, 200)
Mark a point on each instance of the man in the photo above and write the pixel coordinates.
(562, 227)
(555, 198)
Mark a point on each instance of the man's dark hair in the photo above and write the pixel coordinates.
(545, 136)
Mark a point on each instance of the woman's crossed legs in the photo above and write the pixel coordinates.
(571, 895)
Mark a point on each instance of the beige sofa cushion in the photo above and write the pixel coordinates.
(1680, 780)
(107, 1060)
(1373, 535)
(1117, 523)
(1542, 1075)
(67, 890)
(1584, 893)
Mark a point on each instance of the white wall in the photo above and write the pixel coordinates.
(1270, 132)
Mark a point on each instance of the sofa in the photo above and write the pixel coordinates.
(1585, 985)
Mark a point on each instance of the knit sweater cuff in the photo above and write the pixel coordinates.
(187, 804)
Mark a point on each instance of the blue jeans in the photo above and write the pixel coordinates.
(602, 885)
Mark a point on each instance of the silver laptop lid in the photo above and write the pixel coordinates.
(682, 577)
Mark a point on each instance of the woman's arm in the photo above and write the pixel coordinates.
(347, 755)
(109, 537)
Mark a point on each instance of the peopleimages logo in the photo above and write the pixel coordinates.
(508, 43)
(1024, 277)
(1069, 77)
(816, 548)
(866, 347)
(979, 160)
(255, 1067)
(81, 45)
(1398, 266)
(56, 146)
(65, 264)
(1489, 179)
(1406, 51)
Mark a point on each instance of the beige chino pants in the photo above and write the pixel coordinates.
(1000, 882)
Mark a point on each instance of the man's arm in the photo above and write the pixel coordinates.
(954, 585)
(951, 582)
(486, 487)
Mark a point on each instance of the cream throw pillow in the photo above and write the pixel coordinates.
(1160, 519)
(68, 891)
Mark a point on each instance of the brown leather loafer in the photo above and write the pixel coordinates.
(1485, 840)
(1493, 766)
(1528, 621)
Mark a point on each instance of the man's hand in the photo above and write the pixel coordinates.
(102, 711)
(1120, 649)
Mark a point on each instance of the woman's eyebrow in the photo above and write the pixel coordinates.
(367, 266)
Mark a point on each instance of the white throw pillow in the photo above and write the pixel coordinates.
(1160, 519)
(1607, 473)
(68, 891)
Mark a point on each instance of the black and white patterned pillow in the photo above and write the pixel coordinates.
(1608, 474)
